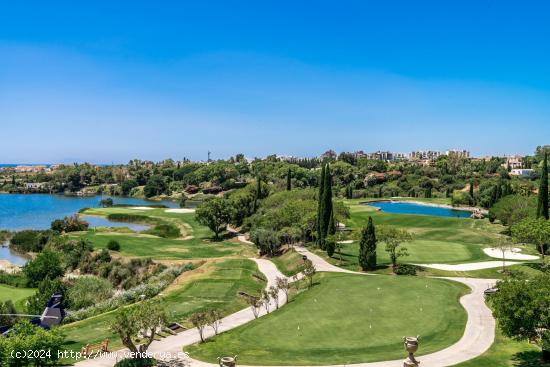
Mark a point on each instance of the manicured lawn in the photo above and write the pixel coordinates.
(186, 221)
(16, 295)
(214, 285)
(347, 319)
(196, 244)
(425, 227)
(217, 287)
(436, 239)
(134, 244)
(506, 352)
(420, 251)
(289, 263)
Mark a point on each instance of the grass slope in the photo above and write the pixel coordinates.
(214, 285)
(16, 295)
(506, 352)
(347, 319)
(289, 263)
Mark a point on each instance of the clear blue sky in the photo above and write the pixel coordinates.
(104, 82)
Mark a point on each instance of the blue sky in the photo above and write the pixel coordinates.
(104, 82)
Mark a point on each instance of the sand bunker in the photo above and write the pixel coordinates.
(180, 210)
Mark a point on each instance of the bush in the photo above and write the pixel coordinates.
(46, 265)
(17, 280)
(69, 224)
(47, 287)
(29, 240)
(136, 362)
(25, 337)
(6, 310)
(151, 288)
(461, 198)
(113, 245)
(167, 230)
(406, 269)
(106, 203)
(133, 218)
(87, 290)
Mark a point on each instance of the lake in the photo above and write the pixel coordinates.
(96, 221)
(36, 211)
(400, 207)
(13, 257)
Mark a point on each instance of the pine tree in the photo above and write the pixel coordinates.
(320, 207)
(542, 206)
(288, 181)
(367, 247)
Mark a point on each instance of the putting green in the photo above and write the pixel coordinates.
(348, 319)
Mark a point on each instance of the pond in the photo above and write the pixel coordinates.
(12, 256)
(36, 211)
(96, 221)
(403, 207)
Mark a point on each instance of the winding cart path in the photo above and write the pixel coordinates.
(478, 335)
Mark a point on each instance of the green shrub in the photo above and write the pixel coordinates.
(460, 198)
(166, 230)
(69, 224)
(87, 290)
(405, 269)
(18, 280)
(29, 240)
(113, 245)
(47, 287)
(25, 337)
(46, 265)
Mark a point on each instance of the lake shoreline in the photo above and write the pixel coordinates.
(471, 209)
(37, 211)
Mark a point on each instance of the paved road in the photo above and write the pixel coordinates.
(478, 335)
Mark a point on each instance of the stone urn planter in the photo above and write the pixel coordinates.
(411, 346)
(227, 361)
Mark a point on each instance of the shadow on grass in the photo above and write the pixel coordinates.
(535, 266)
(529, 359)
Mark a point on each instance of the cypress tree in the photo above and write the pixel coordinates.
(330, 245)
(288, 181)
(326, 211)
(258, 191)
(331, 224)
(367, 247)
(542, 206)
(320, 207)
(472, 200)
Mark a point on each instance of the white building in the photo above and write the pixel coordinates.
(523, 172)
